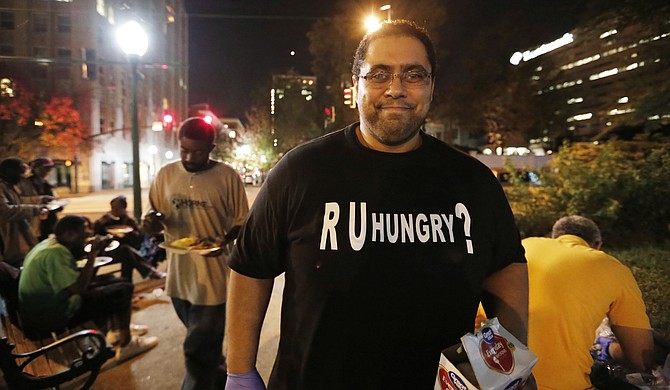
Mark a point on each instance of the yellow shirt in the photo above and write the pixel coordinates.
(572, 287)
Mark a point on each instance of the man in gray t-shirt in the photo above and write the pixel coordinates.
(205, 199)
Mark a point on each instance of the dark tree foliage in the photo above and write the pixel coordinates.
(494, 99)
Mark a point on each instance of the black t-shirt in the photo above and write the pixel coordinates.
(384, 256)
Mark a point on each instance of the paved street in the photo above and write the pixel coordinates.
(163, 366)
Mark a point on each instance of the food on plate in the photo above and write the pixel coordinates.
(205, 243)
(194, 243)
(185, 242)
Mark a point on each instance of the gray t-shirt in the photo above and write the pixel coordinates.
(205, 204)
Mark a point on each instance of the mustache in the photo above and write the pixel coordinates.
(395, 104)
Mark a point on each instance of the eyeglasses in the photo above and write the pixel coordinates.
(414, 78)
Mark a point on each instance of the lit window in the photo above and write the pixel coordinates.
(608, 33)
(580, 117)
(603, 74)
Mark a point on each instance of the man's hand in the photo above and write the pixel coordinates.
(600, 349)
(44, 213)
(247, 381)
(153, 222)
(100, 243)
(44, 199)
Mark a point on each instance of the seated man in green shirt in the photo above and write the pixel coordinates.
(55, 293)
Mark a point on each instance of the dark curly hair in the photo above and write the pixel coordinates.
(196, 128)
(398, 27)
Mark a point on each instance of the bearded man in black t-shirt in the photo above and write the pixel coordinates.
(388, 239)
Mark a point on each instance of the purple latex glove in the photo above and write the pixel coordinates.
(600, 350)
(248, 381)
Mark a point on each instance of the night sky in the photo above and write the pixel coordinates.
(236, 45)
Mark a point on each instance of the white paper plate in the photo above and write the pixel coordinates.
(174, 249)
(112, 245)
(99, 261)
(181, 250)
(55, 204)
(119, 229)
(206, 251)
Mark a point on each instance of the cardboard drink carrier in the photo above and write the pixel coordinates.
(497, 359)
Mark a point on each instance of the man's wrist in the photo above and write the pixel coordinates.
(250, 380)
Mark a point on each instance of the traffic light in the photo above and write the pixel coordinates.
(329, 116)
(347, 96)
(350, 97)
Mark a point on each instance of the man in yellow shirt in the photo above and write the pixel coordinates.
(572, 287)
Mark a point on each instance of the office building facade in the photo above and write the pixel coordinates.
(596, 79)
(68, 48)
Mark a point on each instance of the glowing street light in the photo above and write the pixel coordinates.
(372, 23)
(134, 42)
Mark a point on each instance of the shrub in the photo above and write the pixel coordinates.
(624, 186)
(651, 268)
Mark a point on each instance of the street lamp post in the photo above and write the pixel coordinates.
(134, 42)
(387, 8)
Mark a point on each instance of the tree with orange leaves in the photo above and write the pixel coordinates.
(62, 127)
(29, 124)
(18, 108)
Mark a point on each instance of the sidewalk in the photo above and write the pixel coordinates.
(161, 367)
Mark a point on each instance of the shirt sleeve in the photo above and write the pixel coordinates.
(259, 249)
(628, 309)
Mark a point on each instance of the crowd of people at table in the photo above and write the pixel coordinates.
(359, 312)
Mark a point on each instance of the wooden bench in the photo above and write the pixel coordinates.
(43, 363)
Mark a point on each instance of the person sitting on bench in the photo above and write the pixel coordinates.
(127, 253)
(55, 294)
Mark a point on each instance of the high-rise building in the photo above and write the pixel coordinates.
(68, 48)
(293, 109)
(595, 79)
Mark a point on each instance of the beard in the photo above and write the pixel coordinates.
(395, 128)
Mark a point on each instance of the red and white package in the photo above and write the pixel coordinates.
(499, 360)
(493, 357)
